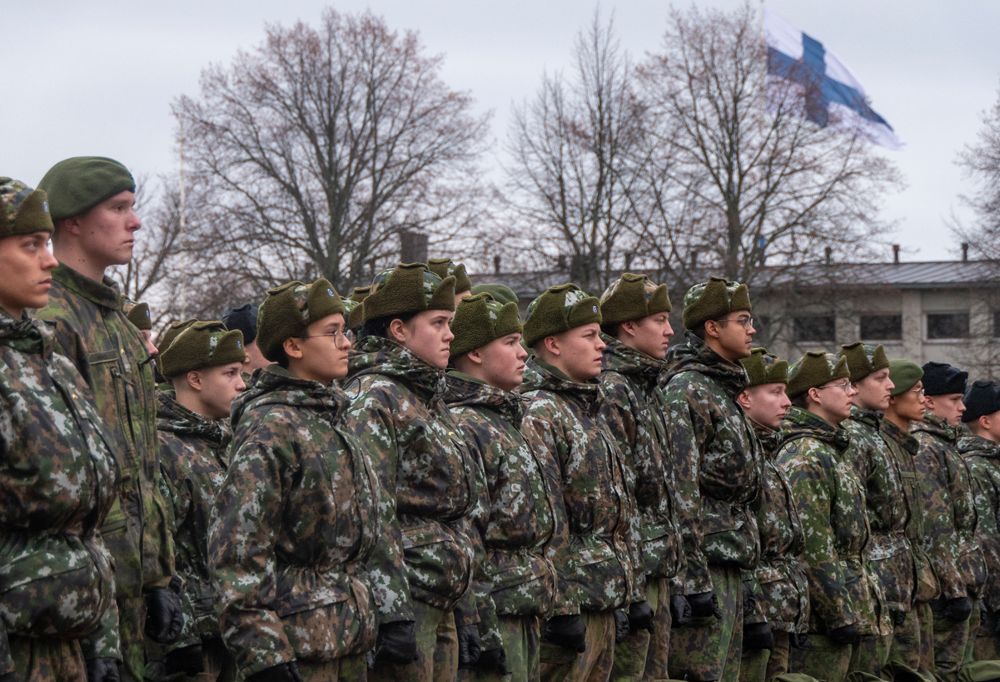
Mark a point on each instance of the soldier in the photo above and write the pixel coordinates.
(913, 643)
(138, 315)
(518, 520)
(784, 587)
(426, 608)
(949, 517)
(244, 320)
(635, 316)
(296, 517)
(443, 267)
(981, 451)
(58, 477)
(889, 551)
(719, 469)
(830, 499)
(91, 201)
(203, 365)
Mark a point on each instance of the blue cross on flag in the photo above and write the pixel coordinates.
(802, 74)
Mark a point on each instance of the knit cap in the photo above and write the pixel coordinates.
(940, 378)
(243, 318)
(203, 344)
(408, 288)
(557, 310)
(713, 300)
(288, 310)
(864, 359)
(78, 184)
(814, 369)
(443, 267)
(633, 297)
(23, 210)
(480, 320)
(982, 398)
(762, 368)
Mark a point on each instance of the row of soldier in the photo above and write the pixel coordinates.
(414, 485)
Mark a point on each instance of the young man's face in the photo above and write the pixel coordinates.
(428, 335)
(581, 352)
(910, 404)
(948, 407)
(219, 388)
(735, 335)
(107, 231)
(766, 404)
(650, 335)
(255, 359)
(26, 263)
(834, 400)
(324, 350)
(874, 390)
(502, 362)
(147, 337)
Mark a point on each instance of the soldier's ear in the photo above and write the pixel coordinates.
(475, 356)
(712, 328)
(398, 330)
(744, 400)
(551, 344)
(193, 379)
(292, 347)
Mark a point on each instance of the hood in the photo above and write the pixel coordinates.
(541, 376)
(770, 439)
(630, 362)
(175, 418)
(800, 423)
(980, 447)
(394, 361)
(275, 385)
(465, 391)
(901, 436)
(695, 356)
(25, 335)
(937, 426)
(363, 356)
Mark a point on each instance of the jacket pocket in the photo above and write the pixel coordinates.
(893, 564)
(784, 598)
(438, 567)
(731, 535)
(523, 583)
(973, 567)
(594, 576)
(661, 553)
(927, 587)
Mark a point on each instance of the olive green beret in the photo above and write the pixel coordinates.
(814, 369)
(713, 300)
(23, 210)
(138, 315)
(480, 320)
(863, 359)
(78, 184)
(633, 297)
(763, 368)
(409, 288)
(499, 292)
(172, 332)
(443, 267)
(203, 344)
(289, 309)
(557, 310)
(904, 375)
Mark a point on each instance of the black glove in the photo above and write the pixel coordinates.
(396, 642)
(958, 609)
(189, 660)
(749, 599)
(569, 632)
(164, 619)
(704, 604)
(102, 670)
(680, 610)
(493, 660)
(758, 636)
(469, 646)
(283, 672)
(898, 618)
(799, 640)
(641, 617)
(621, 626)
(10, 677)
(845, 635)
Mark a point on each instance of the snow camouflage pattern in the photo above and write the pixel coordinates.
(295, 521)
(718, 463)
(592, 548)
(93, 331)
(430, 488)
(58, 481)
(983, 458)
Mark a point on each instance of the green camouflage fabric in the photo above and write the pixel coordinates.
(58, 481)
(296, 519)
(717, 459)
(193, 462)
(709, 649)
(94, 333)
(889, 550)
(780, 573)
(830, 499)
(593, 545)
(362, 356)
(515, 519)
(430, 486)
(983, 458)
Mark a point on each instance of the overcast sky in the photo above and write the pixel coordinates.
(99, 77)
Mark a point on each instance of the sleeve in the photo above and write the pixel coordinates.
(158, 561)
(104, 642)
(178, 495)
(941, 537)
(756, 614)
(988, 531)
(6, 660)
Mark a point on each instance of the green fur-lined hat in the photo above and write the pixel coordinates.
(408, 288)
(173, 331)
(557, 310)
(203, 344)
(904, 375)
(138, 315)
(713, 300)
(863, 359)
(78, 184)
(23, 210)
(289, 309)
(480, 320)
(814, 369)
(763, 368)
(633, 297)
(499, 292)
(360, 293)
(443, 267)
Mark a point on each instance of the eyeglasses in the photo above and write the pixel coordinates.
(744, 321)
(845, 386)
(917, 391)
(338, 337)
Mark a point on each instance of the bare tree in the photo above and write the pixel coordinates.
(318, 147)
(981, 164)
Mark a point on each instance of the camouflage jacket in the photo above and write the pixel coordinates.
(58, 481)
(904, 448)
(515, 519)
(636, 415)
(593, 545)
(780, 573)
(92, 330)
(193, 461)
(430, 484)
(830, 498)
(889, 549)
(983, 457)
(949, 513)
(717, 461)
(295, 521)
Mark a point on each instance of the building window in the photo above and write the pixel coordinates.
(881, 327)
(819, 328)
(947, 325)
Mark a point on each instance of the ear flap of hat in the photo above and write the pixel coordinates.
(33, 215)
(462, 281)
(659, 302)
(323, 301)
(879, 359)
(584, 312)
(711, 305)
(508, 321)
(857, 360)
(740, 299)
(444, 296)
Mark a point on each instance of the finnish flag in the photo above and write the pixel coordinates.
(804, 76)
